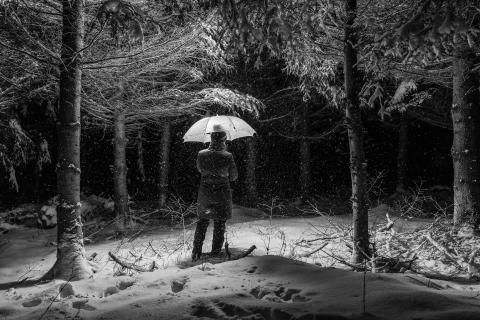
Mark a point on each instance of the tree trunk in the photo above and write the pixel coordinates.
(466, 138)
(251, 197)
(140, 158)
(305, 159)
(71, 263)
(355, 137)
(305, 170)
(122, 211)
(43, 158)
(37, 181)
(164, 164)
(402, 154)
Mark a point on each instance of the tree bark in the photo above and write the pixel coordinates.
(122, 211)
(42, 158)
(466, 138)
(251, 196)
(38, 176)
(355, 137)
(402, 154)
(71, 262)
(140, 158)
(164, 164)
(305, 158)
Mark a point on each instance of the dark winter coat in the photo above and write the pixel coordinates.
(217, 168)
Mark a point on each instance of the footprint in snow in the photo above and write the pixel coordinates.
(126, 283)
(82, 304)
(280, 294)
(32, 303)
(178, 285)
(252, 269)
(110, 291)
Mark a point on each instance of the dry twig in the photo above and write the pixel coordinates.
(132, 266)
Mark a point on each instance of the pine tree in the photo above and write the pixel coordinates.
(71, 262)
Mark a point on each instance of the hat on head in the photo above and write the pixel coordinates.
(218, 128)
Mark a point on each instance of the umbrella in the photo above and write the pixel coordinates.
(236, 128)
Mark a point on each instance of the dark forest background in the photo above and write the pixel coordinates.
(277, 165)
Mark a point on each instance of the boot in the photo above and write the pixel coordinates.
(196, 255)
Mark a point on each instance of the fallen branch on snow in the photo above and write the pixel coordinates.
(308, 254)
(132, 266)
(244, 254)
(461, 261)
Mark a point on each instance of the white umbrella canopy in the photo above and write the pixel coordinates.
(236, 128)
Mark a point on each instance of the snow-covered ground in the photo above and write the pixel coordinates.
(257, 287)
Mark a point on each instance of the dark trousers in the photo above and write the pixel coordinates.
(218, 235)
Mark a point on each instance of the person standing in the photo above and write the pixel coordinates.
(217, 168)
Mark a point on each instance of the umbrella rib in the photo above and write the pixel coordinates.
(205, 130)
(231, 122)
